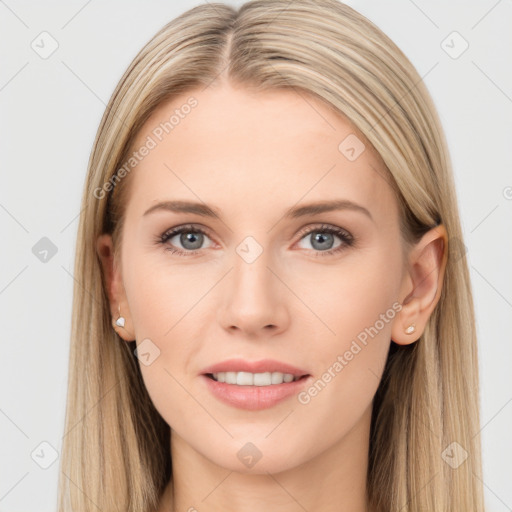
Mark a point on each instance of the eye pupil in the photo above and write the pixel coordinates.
(320, 237)
(195, 238)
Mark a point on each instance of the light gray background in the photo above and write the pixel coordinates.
(50, 111)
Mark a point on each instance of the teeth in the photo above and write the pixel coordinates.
(254, 379)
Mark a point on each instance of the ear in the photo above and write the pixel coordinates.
(422, 285)
(115, 288)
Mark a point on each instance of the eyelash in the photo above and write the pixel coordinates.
(347, 239)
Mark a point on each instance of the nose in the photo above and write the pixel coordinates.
(254, 298)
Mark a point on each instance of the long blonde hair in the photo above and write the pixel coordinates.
(115, 453)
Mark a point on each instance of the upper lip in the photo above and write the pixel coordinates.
(261, 366)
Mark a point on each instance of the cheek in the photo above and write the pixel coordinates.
(161, 302)
(354, 299)
(360, 309)
(160, 295)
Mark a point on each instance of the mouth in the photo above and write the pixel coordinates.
(254, 385)
(255, 379)
(254, 391)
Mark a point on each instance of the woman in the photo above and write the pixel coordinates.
(273, 309)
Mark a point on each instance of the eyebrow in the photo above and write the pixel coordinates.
(294, 212)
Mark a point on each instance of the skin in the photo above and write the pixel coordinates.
(253, 156)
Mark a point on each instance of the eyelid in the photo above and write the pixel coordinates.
(324, 226)
(191, 227)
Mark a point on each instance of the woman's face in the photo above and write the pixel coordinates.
(317, 290)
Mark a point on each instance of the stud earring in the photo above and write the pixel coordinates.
(410, 329)
(120, 320)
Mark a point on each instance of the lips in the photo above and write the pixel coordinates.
(258, 394)
(261, 366)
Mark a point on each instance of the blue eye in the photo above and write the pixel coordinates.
(324, 237)
(192, 238)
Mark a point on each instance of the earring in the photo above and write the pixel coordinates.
(120, 320)
(410, 329)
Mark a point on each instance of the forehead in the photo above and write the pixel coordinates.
(276, 146)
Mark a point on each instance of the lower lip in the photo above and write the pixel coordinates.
(254, 398)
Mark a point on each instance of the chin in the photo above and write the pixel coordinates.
(259, 456)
